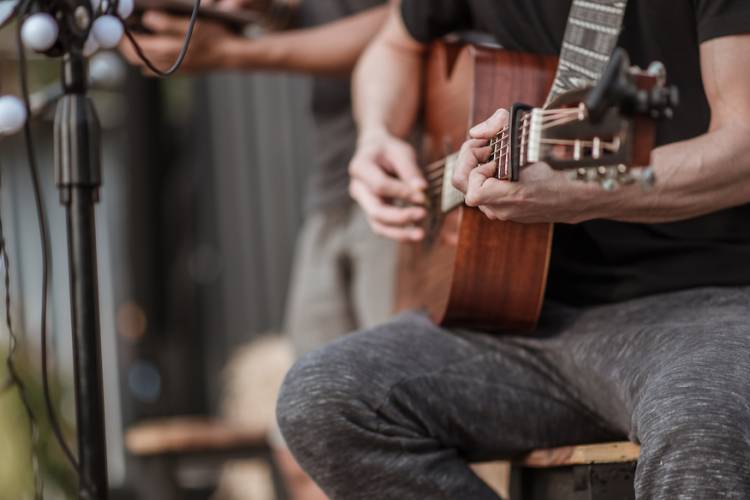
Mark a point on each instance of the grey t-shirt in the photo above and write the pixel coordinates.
(335, 131)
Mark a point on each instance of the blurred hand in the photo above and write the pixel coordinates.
(255, 5)
(207, 49)
(541, 195)
(384, 172)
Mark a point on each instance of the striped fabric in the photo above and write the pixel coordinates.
(590, 37)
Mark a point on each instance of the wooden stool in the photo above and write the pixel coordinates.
(164, 445)
(595, 472)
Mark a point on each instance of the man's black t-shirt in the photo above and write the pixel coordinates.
(605, 261)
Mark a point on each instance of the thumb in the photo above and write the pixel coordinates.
(491, 126)
(403, 160)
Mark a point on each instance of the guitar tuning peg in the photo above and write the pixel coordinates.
(647, 178)
(609, 184)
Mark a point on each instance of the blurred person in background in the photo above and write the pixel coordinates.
(342, 278)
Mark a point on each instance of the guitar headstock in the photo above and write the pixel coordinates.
(602, 134)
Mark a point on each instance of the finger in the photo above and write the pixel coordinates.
(230, 4)
(128, 52)
(148, 73)
(473, 152)
(162, 23)
(488, 212)
(381, 212)
(383, 185)
(403, 160)
(161, 50)
(491, 126)
(155, 48)
(403, 234)
(475, 194)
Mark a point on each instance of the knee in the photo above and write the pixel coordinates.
(322, 400)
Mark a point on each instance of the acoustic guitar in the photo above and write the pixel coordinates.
(471, 271)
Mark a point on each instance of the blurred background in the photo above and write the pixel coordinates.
(202, 199)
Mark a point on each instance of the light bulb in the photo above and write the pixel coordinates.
(125, 8)
(106, 71)
(39, 32)
(12, 114)
(107, 31)
(90, 46)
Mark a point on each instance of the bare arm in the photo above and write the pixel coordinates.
(329, 49)
(332, 48)
(386, 90)
(695, 177)
(710, 172)
(387, 81)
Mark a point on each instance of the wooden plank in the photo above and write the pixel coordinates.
(582, 455)
(189, 434)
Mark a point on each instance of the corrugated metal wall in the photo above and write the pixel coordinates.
(260, 151)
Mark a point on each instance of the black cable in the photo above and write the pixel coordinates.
(183, 50)
(46, 252)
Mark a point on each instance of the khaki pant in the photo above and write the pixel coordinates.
(343, 279)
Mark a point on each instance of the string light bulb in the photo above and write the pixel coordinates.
(107, 31)
(90, 46)
(125, 8)
(39, 32)
(12, 114)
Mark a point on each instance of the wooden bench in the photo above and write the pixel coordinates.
(594, 472)
(165, 447)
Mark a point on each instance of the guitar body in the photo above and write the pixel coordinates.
(471, 271)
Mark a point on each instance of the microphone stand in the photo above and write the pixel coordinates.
(77, 144)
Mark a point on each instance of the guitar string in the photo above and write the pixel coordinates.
(435, 172)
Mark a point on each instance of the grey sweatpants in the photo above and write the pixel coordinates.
(398, 411)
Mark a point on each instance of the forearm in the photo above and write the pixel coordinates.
(333, 48)
(387, 82)
(694, 178)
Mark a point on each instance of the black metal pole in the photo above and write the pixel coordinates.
(78, 176)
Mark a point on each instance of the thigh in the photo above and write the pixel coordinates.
(483, 397)
(318, 307)
(373, 262)
(685, 348)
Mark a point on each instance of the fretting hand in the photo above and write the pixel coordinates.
(541, 195)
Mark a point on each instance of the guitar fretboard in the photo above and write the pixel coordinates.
(590, 37)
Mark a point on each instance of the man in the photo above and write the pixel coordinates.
(342, 277)
(645, 330)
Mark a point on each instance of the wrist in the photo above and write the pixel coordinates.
(373, 133)
(238, 53)
(266, 52)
